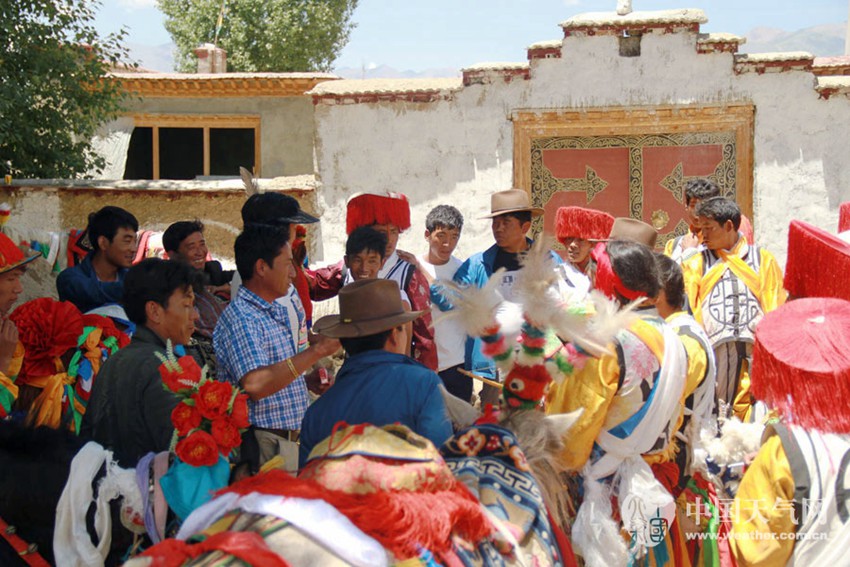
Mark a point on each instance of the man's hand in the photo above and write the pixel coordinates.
(414, 261)
(8, 344)
(323, 346)
(408, 257)
(690, 240)
(319, 380)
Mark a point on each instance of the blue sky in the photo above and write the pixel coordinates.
(417, 35)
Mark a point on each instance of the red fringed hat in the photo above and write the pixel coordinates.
(844, 217)
(588, 224)
(818, 263)
(368, 209)
(801, 363)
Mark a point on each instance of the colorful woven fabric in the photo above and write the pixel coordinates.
(488, 460)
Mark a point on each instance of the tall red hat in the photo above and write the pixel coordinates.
(11, 256)
(588, 224)
(801, 363)
(818, 263)
(844, 217)
(367, 209)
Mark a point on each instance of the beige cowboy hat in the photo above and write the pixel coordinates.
(366, 307)
(634, 230)
(511, 201)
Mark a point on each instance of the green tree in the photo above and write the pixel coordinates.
(53, 95)
(261, 35)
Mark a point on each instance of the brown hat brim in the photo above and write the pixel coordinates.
(17, 265)
(332, 325)
(535, 212)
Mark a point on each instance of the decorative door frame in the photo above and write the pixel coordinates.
(697, 122)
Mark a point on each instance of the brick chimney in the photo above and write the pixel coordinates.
(211, 59)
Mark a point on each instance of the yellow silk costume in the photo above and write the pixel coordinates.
(764, 284)
(595, 388)
(768, 480)
(8, 389)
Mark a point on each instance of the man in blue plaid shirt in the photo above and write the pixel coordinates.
(255, 345)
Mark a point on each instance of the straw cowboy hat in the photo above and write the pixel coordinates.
(366, 307)
(11, 256)
(634, 230)
(511, 201)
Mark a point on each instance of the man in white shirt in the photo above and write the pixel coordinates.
(443, 226)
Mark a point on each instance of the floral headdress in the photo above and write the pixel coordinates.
(211, 416)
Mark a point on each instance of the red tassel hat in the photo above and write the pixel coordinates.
(578, 222)
(367, 209)
(844, 217)
(801, 363)
(818, 263)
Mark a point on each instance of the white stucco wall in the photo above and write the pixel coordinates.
(286, 129)
(460, 150)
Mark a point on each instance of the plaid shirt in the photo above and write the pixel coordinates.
(253, 333)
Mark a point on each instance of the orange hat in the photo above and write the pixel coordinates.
(11, 256)
(801, 365)
(818, 263)
(367, 209)
(844, 217)
(587, 224)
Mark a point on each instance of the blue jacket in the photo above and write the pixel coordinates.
(476, 271)
(80, 286)
(380, 388)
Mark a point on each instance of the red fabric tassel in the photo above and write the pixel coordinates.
(588, 224)
(818, 263)
(607, 280)
(368, 209)
(250, 547)
(801, 363)
(844, 217)
(398, 520)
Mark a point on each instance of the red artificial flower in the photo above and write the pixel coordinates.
(198, 449)
(213, 398)
(185, 418)
(226, 435)
(184, 379)
(239, 413)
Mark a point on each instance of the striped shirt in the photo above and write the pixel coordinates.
(253, 333)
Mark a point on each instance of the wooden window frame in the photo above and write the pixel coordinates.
(203, 122)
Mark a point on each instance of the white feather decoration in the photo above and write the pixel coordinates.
(474, 307)
(252, 187)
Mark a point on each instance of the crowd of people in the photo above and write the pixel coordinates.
(703, 338)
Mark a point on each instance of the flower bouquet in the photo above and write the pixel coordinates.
(211, 416)
(208, 425)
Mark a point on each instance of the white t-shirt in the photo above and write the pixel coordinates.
(448, 333)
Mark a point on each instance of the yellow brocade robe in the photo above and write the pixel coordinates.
(596, 388)
(768, 480)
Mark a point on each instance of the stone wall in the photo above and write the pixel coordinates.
(451, 141)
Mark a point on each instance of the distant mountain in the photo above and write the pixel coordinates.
(387, 72)
(153, 57)
(822, 41)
